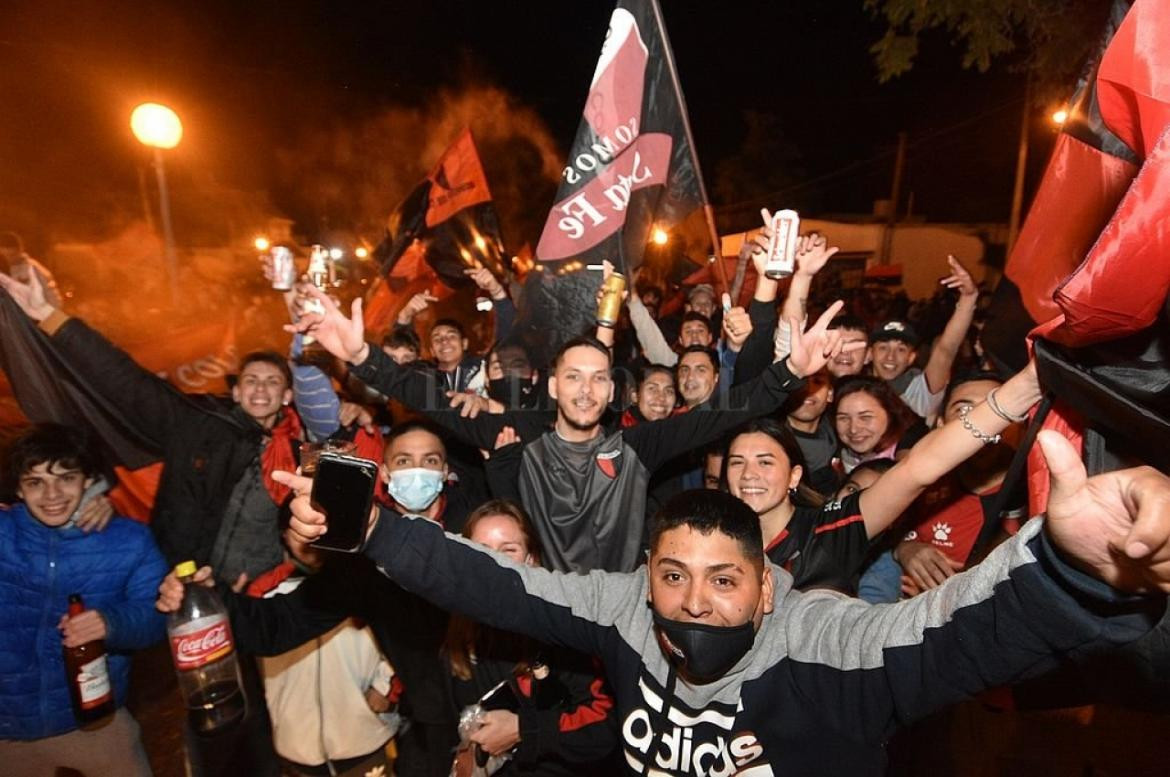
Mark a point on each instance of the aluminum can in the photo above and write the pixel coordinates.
(610, 306)
(782, 251)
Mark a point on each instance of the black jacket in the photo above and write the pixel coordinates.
(206, 443)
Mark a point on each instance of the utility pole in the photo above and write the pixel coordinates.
(1021, 168)
(895, 195)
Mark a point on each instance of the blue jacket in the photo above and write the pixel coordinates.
(116, 571)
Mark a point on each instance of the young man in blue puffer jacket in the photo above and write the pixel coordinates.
(43, 559)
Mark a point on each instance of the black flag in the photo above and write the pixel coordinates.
(631, 168)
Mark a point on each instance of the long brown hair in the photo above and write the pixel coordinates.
(900, 416)
(465, 638)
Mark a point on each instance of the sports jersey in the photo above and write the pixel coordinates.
(950, 518)
(823, 547)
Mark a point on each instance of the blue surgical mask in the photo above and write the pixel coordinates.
(415, 488)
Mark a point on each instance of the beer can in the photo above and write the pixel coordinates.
(782, 249)
(284, 268)
(610, 306)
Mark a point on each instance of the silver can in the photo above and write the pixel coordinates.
(284, 268)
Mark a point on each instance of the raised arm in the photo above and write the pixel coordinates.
(659, 441)
(501, 302)
(343, 337)
(944, 449)
(650, 337)
(757, 351)
(459, 576)
(1093, 575)
(946, 348)
(146, 401)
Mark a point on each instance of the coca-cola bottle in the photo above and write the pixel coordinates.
(205, 656)
(88, 675)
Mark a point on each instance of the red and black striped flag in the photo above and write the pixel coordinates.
(1092, 262)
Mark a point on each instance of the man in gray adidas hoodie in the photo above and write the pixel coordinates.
(720, 668)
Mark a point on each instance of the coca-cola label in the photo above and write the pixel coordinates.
(93, 683)
(201, 646)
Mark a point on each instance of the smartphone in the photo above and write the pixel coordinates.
(343, 489)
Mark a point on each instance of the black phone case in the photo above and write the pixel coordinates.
(343, 489)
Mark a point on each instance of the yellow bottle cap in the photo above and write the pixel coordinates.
(185, 569)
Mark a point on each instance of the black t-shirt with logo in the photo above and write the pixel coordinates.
(823, 547)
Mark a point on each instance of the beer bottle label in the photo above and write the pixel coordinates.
(206, 640)
(93, 683)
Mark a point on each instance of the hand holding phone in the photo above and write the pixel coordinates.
(343, 489)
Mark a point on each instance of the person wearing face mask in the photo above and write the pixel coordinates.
(583, 481)
(718, 666)
(415, 475)
(552, 715)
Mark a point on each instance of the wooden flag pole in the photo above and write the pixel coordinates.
(708, 211)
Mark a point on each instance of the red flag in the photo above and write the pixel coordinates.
(1123, 282)
(446, 225)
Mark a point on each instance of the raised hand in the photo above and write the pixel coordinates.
(960, 279)
(812, 253)
(415, 305)
(343, 337)
(760, 243)
(1115, 526)
(810, 350)
(30, 297)
(484, 279)
(307, 524)
(737, 325)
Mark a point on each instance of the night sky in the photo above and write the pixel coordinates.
(252, 77)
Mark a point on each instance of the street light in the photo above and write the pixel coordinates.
(1060, 116)
(158, 127)
(659, 236)
(261, 244)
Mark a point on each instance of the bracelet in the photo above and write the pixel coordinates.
(976, 432)
(993, 403)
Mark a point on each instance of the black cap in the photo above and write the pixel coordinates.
(895, 329)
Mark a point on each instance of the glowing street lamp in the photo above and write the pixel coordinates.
(158, 127)
(1060, 117)
(659, 237)
(261, 244)
(361, 252)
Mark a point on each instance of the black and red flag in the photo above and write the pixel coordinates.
(631, 167)
(447, 224)
(1090, 272)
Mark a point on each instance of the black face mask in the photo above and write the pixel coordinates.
(701, 652)
(510, 390)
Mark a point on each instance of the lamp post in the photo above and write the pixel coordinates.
(158, 127)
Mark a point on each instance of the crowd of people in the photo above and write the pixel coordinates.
(734, 540)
